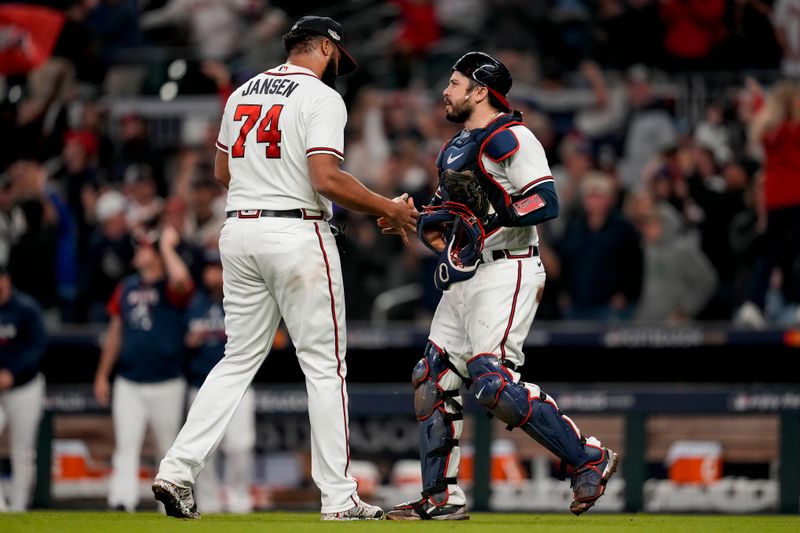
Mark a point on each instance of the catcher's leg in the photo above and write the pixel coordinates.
(438, 407)
(527, 407)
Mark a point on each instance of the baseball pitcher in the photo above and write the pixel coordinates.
(279, 148)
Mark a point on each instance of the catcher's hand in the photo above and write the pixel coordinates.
(463, 187)
(435, 238)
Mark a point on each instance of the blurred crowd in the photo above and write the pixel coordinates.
(663, 219)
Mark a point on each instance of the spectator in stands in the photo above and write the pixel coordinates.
(368, 147)
(418, 30)
(641, 203)
(215, 27)
(206, 215)
(22, 343)
(77, 178)
(109, 255)
(718, 195)
(599, 236)
(752, 41)
(786, 20)
(177, 214)
(145, 340)
(711, 133)
(666, 179)
(678, 278)
(12, 222)
(78, 42)
(517, 24)
(135, 148)
(621, 23)
(649, 127)
(145, 204)
(576, 163)
(34, 254)
(205, 339)
(692, 31)
(777, 128)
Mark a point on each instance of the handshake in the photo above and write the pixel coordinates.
(400, 217)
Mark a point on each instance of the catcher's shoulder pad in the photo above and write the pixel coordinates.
(501, 145)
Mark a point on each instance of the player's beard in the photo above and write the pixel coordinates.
(459, 114)
(329, 74)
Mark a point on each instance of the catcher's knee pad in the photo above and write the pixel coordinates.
(527, 407)
(495, 389)
(439, 412)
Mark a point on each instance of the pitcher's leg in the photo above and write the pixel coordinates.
(313, 308)
(251, 320)
(206, 487)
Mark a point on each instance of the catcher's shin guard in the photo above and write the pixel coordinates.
(525, 406)
(439, 410)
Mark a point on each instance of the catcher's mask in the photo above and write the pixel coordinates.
(490, 73)
(463, 236)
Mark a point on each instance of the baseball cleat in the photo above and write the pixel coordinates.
(589, 481)
(178, 501)
(362, 511)
(424, 510)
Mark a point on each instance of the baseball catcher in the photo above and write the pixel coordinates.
(494, 188)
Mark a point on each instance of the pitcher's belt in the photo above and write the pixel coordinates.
(306, 214)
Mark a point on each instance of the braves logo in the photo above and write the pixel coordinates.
(142, 301)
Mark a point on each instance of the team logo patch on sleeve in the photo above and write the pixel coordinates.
(528, 204)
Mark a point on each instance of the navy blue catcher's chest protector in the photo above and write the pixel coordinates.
(464, 150)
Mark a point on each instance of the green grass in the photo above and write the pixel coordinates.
(84, 522)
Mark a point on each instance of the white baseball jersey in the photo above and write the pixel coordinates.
(517, 174)
(278, 268)
(271, 125)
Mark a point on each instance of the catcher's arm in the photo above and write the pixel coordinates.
(534, 206)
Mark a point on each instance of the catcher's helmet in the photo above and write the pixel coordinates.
(489, 72)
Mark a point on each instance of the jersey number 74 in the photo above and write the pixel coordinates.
(268, 129)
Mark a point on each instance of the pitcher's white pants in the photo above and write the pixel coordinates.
(237, 444)
(273, 268)
(22, 407)
(133, 405)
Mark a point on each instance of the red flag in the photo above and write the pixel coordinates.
(27, 36)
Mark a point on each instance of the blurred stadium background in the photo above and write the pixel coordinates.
(668, 258)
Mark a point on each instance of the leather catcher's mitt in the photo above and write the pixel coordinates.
(462, 187)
